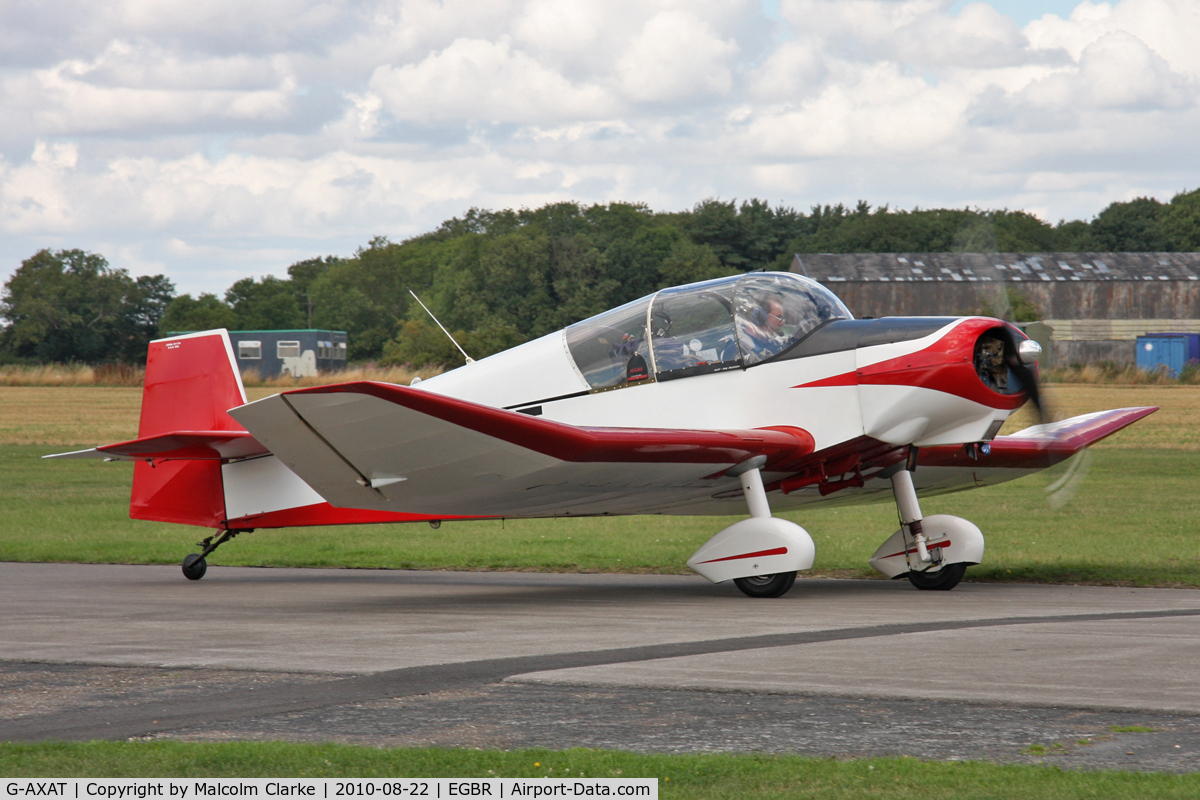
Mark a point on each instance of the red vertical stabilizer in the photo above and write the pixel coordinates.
(191, 381)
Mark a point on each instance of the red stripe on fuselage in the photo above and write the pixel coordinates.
(947, 365)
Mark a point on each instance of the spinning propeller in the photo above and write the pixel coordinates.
(1020, 355)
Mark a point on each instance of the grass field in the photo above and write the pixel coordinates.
(129, 375)
(713, 777)
(1132, 521)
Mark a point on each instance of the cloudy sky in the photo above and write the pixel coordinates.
(214, 139)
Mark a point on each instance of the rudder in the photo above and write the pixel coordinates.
(191, 382)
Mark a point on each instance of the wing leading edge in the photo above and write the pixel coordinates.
(951, 469)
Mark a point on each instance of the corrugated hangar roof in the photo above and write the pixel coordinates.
(1017, 267)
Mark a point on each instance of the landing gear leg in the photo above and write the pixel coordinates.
(933, 578)
(775, 584)
(194, 565)
(760, 554)
(910, 511)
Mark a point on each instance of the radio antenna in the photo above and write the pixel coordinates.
(443, 327)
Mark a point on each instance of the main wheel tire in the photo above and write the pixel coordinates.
(774, 585)
(943, 580)
(194, 567)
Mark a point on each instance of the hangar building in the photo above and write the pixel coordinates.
(1094, 304)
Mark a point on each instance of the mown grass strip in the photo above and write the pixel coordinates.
(1130, 522)
(714, 777)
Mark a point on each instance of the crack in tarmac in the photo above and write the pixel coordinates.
(153, 716)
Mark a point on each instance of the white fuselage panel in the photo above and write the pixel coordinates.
(533, 371)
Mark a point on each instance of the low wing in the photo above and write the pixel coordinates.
(949, 469)
(859, 470)
(380, 446)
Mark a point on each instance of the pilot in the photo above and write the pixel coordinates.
(763, 332)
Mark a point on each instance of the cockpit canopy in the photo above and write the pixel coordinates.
(700, 328)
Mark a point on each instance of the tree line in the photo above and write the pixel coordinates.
(499, 278)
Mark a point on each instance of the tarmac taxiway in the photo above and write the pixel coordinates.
(667, 663)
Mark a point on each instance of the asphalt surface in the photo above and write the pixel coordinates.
(648, 663)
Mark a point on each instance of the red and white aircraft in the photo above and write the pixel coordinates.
(758, 392)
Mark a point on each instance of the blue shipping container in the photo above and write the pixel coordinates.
(1193, 346)
(1157, 351)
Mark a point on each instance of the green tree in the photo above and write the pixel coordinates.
(69, 305)
(367, 295)
(1021, 232)
(750, 236)
(1131, 227)
(716, 225)
(635, 261)
(302, 274)
(144, 305)
(204, 313)
(499, 278)
(419, 343)
(689, 262)
(1180, 222)
(505, 279)
(266, 304)
(578, 281)
(1073, 236)
(977, 234)
(1021, 308)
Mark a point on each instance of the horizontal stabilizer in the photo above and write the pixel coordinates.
(178, 445)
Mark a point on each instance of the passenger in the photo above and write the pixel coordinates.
(669, 352)
(627, 352)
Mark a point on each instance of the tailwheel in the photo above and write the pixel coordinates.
(943, 580)
(194, 567)
(774, 585)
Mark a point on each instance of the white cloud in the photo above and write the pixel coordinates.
(55, 156)
(564, 27)
(211, 139)
(1117, 71)
(478, 80)
(676, 57)
(793, 72)
(129, 90)
(1168, 27)
(978, 38)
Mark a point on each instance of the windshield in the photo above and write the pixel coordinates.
(610, 349)
(774, 310)
(700, 328)
(692, 329)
